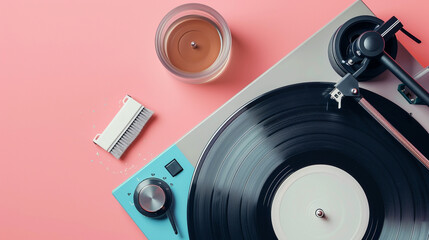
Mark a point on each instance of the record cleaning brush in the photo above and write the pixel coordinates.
(124, 127)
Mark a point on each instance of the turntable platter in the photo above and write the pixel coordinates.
(277, 136)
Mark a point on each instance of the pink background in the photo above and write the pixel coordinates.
(64, 68)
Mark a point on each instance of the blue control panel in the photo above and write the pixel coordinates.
(160, 167)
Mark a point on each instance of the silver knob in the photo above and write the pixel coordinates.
(152, 198)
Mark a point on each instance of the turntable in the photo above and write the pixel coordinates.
(333, 151)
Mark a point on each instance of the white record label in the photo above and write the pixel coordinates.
(320, 202)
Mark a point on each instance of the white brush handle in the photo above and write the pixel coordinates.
(119, 124)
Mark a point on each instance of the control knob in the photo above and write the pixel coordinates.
(153, 198)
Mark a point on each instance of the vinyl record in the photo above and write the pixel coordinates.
(296, 130)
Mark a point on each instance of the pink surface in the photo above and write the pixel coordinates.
(66, 65)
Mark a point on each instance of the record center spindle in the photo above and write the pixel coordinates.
(320, 213)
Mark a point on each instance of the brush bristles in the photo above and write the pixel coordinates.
(131, 133)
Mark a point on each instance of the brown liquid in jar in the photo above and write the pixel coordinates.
(193, 44)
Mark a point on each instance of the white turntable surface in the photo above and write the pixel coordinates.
(325, 190)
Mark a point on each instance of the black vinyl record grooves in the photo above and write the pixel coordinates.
(296, 126)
